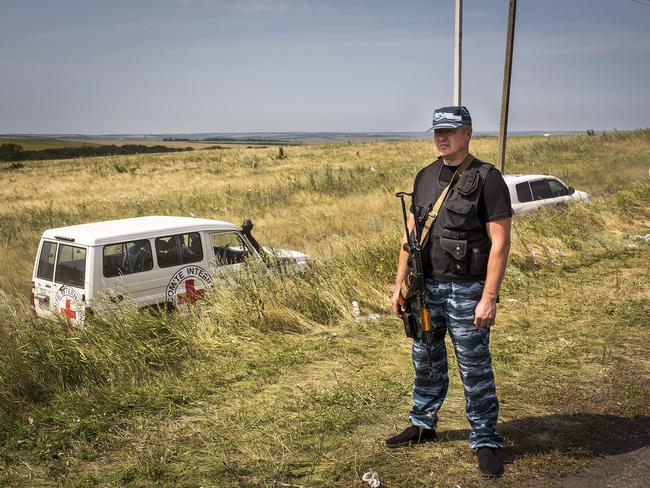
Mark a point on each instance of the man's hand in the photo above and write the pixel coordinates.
(397, 308)
(485, 313)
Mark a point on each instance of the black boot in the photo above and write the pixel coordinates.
(411, 435)
(489, 462)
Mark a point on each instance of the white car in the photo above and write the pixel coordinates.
(148, 260)
(528, 192)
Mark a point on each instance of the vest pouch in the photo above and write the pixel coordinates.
(468, 183)
(478, 262)
(456, 213)
(456, 251)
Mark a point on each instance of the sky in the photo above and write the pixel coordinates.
(183, 66)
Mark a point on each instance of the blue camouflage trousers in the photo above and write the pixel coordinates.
(452, 307)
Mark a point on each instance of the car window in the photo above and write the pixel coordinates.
(70, 265)
(557, 188)
(540, 190)
(179, 249)
(127, 257)
(45, 270)
(523, 192)
(229, 248)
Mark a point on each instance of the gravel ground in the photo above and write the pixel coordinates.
(627, 470)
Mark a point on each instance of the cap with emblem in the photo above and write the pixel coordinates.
(450, 118)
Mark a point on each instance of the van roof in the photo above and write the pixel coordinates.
(99, 233)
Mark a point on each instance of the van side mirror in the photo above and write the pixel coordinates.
(571, 190)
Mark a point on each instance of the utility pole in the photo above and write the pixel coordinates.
(458, 51)
(505, 97)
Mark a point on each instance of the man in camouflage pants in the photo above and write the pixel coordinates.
(464, 262)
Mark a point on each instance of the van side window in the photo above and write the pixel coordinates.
(540, 190)
(191, 248)
(179, 249)
(70, 266)
(228, 248)
(127, 257)
(45, 269)
(523, 192)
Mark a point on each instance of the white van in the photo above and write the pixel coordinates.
(149, 260)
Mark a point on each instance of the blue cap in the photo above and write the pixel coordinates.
(451, 117)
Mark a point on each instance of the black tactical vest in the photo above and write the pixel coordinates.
(458, 247)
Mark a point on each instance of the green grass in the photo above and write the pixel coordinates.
(38, 143)
(272, 380)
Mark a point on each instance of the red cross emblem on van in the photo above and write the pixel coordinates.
(194, 280)
(69, 303)
(191, 294)
(67, 311)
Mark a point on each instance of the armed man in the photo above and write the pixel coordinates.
(459, 236)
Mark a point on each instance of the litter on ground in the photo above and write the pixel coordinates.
(372, 478)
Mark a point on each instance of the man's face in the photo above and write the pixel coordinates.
(450, 142)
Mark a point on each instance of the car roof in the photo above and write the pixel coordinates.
(98, 233)
(520, 178)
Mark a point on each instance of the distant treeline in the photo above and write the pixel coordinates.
(235, 140)
(15, 152)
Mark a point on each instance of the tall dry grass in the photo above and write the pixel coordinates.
(272, 379)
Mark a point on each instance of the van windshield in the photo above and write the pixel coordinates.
(70, 266)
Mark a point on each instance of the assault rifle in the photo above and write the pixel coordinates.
(413, 289)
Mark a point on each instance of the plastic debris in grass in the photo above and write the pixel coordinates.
(356, 311)
(637, 238)
(369, 317)
(372, 479)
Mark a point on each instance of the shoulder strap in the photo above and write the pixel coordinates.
(433, 214)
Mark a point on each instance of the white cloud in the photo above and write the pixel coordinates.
(245, 6)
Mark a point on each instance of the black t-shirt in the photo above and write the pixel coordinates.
(494, 201)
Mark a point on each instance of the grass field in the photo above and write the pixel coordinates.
(274, 381)
(39, 143)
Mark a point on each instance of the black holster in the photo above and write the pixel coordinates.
(412, 327)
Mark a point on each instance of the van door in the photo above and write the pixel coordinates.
(44, 279)
(127, 273)
(68, 293)
(59, 286)
(184, 264)
(229, 252)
